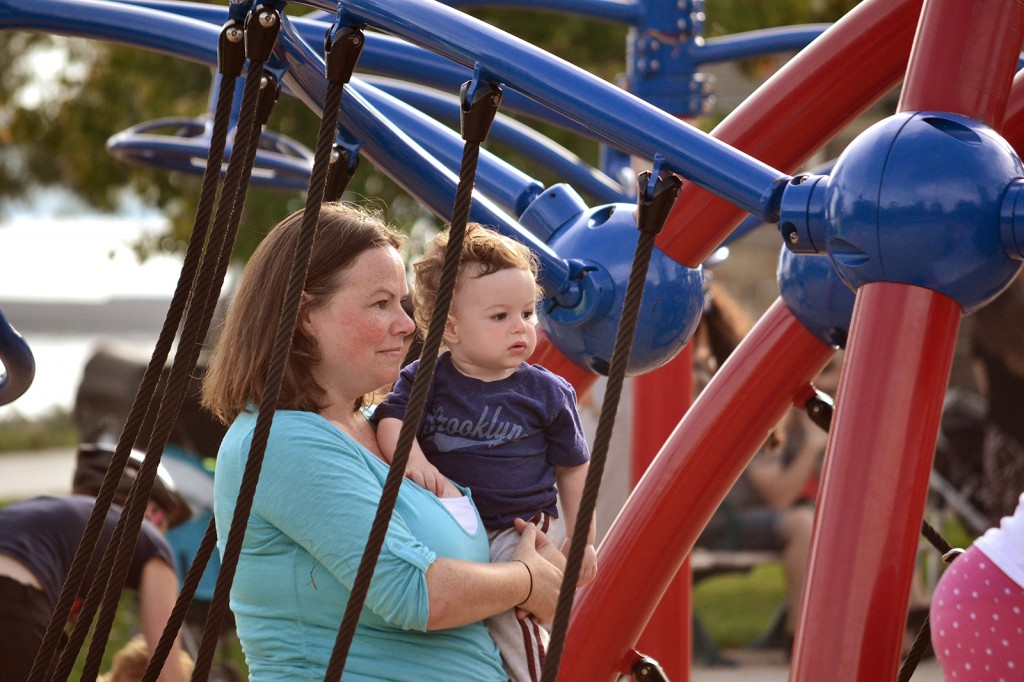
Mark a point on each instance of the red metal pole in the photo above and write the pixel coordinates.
(894, 377)
(688, 479)
(660, 399)
(964, 59)
(874, 484)
(552, 359)
(811, 99)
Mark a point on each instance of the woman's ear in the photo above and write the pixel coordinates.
(304, 308)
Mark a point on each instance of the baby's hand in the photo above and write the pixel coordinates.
(588, 568)
(426, 475)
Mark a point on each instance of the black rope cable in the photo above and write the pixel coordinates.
(239, 167)
(650, 219)
(350, 38)
(195, 329)
(49, 650)
(924, 635)
(478, 110)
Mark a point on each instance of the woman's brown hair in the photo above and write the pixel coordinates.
(241, 359)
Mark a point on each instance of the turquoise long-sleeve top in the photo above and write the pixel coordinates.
(312, 511)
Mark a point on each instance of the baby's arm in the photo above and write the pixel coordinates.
(418, 469)
(570, 481)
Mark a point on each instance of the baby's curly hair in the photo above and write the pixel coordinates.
(483, 246)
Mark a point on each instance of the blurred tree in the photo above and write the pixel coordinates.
(54, 135)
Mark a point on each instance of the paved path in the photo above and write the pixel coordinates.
(41, 471)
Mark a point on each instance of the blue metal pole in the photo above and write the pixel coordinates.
(616, 116)
(504, 130)
(755, 43)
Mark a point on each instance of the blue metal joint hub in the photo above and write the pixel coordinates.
(917, 199)
(599, 244)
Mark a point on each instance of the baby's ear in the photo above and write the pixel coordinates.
(450, 335)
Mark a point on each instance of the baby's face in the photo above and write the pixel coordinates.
(492, 325)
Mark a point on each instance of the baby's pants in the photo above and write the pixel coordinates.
(522, 642)
(977, 621)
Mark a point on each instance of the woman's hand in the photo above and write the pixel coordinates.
(545, 573)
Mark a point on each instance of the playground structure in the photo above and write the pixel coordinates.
(918, 216)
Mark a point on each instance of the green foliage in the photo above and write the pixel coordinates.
(55, 429)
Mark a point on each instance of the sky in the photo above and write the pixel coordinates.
(44, 256)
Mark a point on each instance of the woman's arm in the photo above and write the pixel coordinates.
(158, 590)
(462, 592)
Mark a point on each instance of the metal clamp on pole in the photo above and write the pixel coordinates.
(480, 100)
(819, 408)
(654, 199)
(342, 47)
(261, 28)
(649, 670)
(342, 166)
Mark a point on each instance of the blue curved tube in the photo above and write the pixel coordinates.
(523, 139)
(617, 117)
(754, 43)
(19, 364)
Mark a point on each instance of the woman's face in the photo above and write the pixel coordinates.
(361, 327)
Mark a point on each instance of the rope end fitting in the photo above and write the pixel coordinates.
(480, 99)
(261, 28)
(657, 190)
(342, 47)
(270, 91)
(342, 166)
(231, 48)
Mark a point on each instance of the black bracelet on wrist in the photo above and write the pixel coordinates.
(530, 573)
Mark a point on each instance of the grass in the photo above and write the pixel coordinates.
(736, 608)
(54, 429)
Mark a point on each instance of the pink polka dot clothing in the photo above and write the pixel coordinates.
(977, 611)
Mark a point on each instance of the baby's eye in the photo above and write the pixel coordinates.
(528, 314)
(498, 317)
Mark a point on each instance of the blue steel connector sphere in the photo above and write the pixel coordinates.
(600, 243)
(816, 295)
(916, 199)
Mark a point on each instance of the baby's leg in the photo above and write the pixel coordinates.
(522, 642)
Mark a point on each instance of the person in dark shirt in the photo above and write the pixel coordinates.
(39, 537)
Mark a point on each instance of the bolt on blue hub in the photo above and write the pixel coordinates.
(599, 244)
(917, 199)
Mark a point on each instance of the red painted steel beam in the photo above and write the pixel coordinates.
(672, 503)
(874, 484)
(890, 397)
(547, 355)
(660, 399)
(1013, 121)
(964, 59)
(810, 100)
